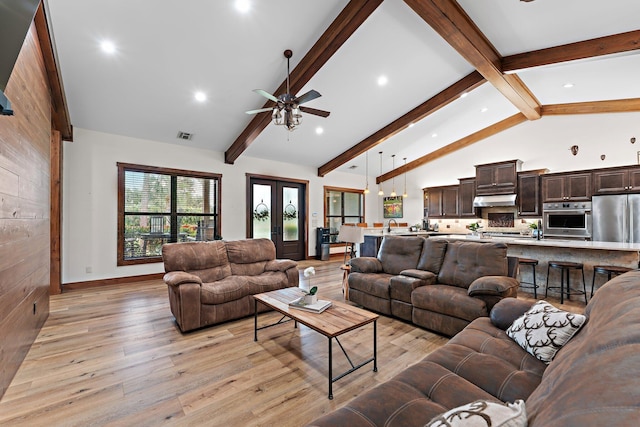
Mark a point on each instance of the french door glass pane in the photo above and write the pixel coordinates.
(261, 211)
(290, 214)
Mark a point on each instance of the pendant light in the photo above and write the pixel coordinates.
(393, 180)
(380, 192)
(405, 195)
(366, 167)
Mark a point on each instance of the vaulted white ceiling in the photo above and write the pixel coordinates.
(166, 51)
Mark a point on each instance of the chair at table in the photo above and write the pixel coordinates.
(156, 225)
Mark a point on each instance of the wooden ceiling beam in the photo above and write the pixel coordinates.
(60, 118)
(616, 43)
(496, 128)
(449, 20)
(346, 23)
(595, 107)
(453, 92)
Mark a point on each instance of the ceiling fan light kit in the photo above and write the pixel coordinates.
(288, 112)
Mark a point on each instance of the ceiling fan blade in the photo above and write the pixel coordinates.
(314, 111)
(260, 110)
(266, 94)
(312, 94)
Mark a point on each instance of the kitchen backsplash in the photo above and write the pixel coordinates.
(493, 219)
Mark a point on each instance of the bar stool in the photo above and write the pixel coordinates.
(530, 263)
(565, 268)
(609, 270)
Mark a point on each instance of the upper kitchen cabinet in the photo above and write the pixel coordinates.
(575, 187)
(442, 202)
(529, 197)
(497, 178)
(466, 194)
(616, 180)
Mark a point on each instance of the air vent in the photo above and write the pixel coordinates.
(353, 167)
(185, 135)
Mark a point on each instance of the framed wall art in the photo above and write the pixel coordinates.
(392, 207)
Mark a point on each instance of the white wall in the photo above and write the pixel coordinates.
(89, 224)
(90, 179)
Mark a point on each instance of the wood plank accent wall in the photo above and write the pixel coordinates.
(24, 208)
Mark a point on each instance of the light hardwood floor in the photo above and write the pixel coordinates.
(114, 356)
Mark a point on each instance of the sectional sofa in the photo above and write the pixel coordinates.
(436, 284)
(591, 381)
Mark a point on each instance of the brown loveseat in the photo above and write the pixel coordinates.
(592, 381)
(434, 283)
(212, 282)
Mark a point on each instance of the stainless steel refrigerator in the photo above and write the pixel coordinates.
(616, 218)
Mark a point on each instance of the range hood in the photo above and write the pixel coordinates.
(495, 200)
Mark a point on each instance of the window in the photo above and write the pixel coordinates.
(342, 206)
(159, 205)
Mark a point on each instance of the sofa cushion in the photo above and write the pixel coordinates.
(594, 377)
(206, 259)
(449, 300)
(544, 329)
(483, 413)
(433, 251)
(464, 262)
(372, 284)
(399, 253)
(249, 257)
(228, 289)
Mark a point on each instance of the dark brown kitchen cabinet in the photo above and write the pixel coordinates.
(497, 178)
(616, 180)
(466, 194)
(529, 200)
(442, 202)
(566, 187)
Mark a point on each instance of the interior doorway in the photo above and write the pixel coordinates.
(277, 210)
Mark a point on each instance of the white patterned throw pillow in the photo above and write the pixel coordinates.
(482, 413)
(544, 329)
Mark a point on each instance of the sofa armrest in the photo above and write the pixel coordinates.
(366, 265)
(280, 265)
(175, 278)
(507, 310)
(428, 277)
(500, 286)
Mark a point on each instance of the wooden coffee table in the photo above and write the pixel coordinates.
(334, 321)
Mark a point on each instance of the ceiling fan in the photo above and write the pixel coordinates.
(288, 107)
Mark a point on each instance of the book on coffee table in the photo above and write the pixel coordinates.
(317, 307)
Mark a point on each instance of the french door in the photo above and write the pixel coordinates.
(277, 211)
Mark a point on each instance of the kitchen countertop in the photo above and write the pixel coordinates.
(554, 243)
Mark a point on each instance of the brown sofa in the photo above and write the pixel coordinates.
(212, 282)
(436, 284)
(592, 381)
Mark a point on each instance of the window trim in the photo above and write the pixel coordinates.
(342, 190)
(122, 167)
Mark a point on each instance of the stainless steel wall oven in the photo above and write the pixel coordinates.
(567, 220)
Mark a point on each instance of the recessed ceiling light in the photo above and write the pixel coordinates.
(243, 6)
(319, 130)
(484, 109)
(108, 47)
(200, 96)
(464, 95)
(434, 135)
(382, 80)
(567, 85)
(411, 125)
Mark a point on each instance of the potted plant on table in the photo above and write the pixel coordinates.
(310, 296)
